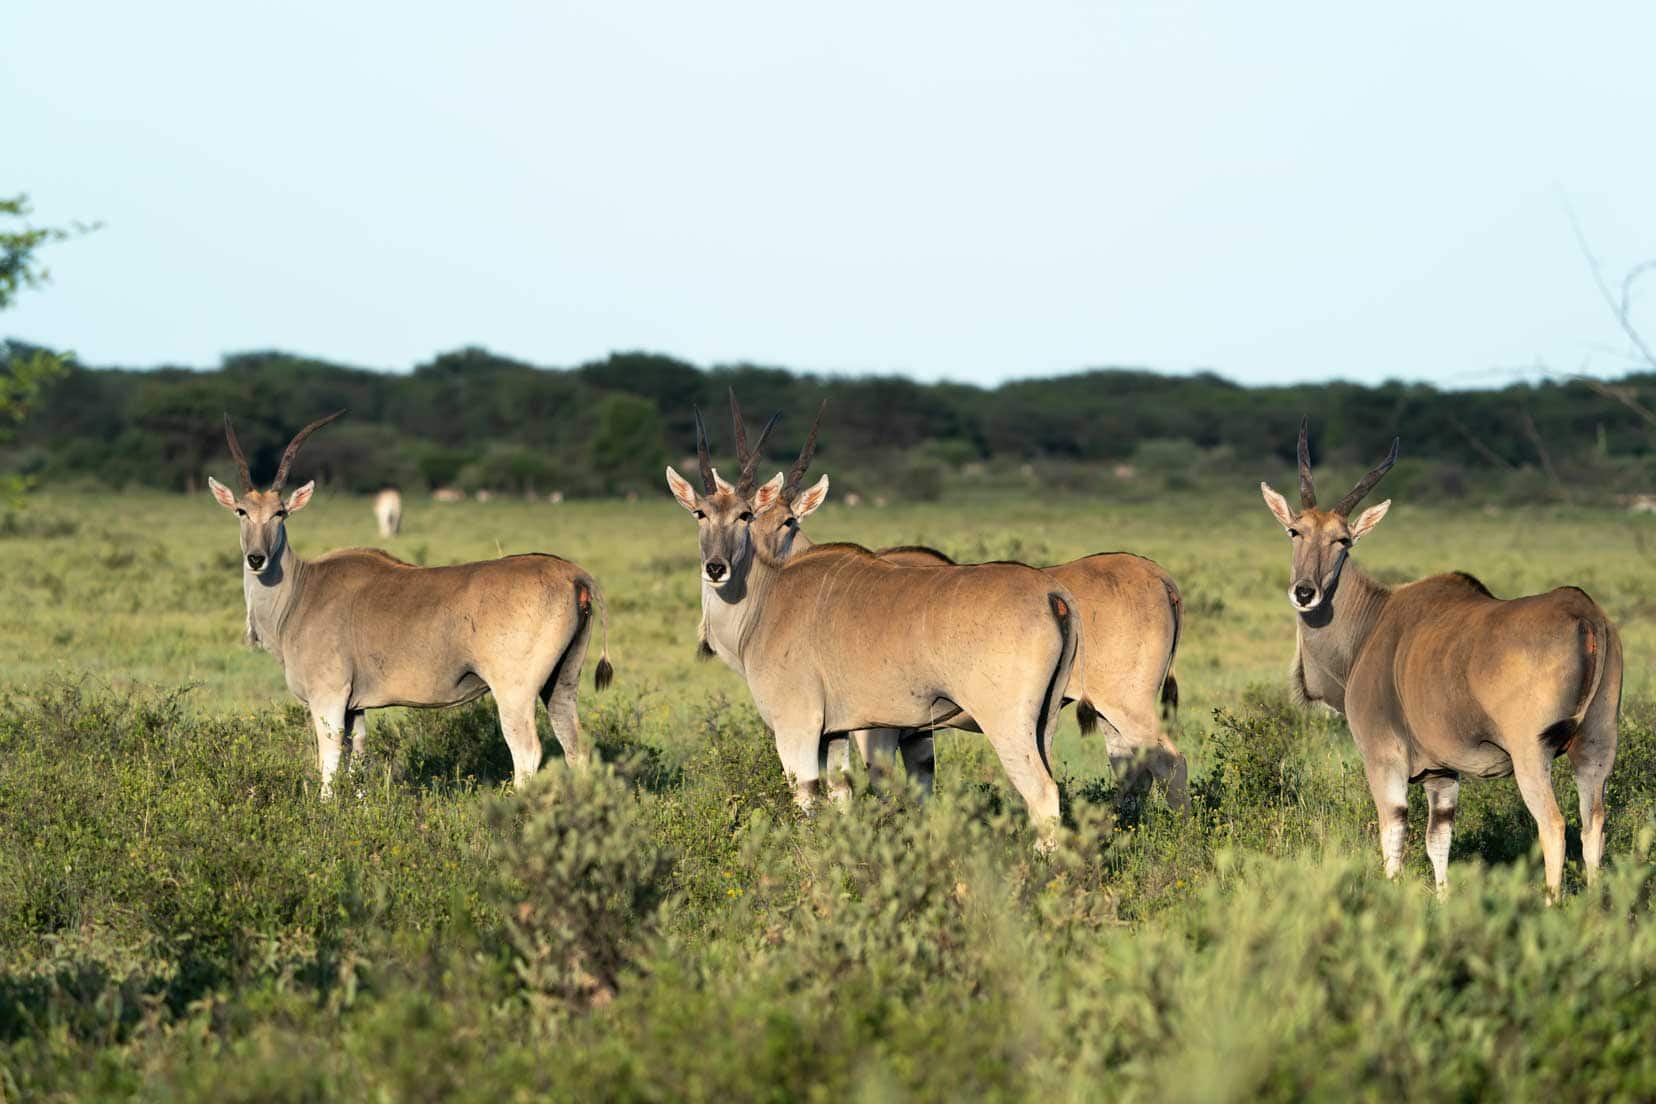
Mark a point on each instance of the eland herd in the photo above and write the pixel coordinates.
(844, 646)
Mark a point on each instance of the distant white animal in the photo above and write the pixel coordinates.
(388, 511)
(446, 494)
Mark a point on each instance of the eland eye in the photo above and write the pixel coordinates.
(700, 516)
(746, 515)
(792, 523)
(1343, 542)
(240, 512)
(1294, 533)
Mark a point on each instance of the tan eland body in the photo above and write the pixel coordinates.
(833, 638)
(1439, 679)
(358, 629)
(1131, 618)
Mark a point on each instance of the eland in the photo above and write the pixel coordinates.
(1439, 679)
(388, 511)
(832, 638)
(358, 629)
(1131, 618)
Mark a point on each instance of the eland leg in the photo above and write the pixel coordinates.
(559, 695)
(1441, 796)
(920, 761)
(517, 724)
(799, 745)
(356, 739)
(330, 723)
(1532, 770)
(878, 748)
(1592, 767)
(1018, 745)
(1388, 782)
(837, 764)
(1592, 754)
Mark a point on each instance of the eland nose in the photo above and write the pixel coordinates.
(715, 570)
(1303, 594)
(255, 560)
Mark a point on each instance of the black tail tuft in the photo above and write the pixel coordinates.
(603, 674)
(1086, 716)
(704, 650)
(1170, 697)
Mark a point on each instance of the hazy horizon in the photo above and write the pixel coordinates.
(939, 191)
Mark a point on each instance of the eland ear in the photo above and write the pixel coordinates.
(1279, 506)
(811, 498)
(296, 501)
(682, 490)
(768, 492)
(1368, 520)
(226, 497)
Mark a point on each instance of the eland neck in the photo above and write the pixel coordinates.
(1331, 637)
(271, 596)
(731, 614)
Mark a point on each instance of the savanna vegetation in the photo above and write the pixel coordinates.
(473, 420)
(181, 918)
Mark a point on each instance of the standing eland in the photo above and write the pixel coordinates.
(1439, 678)
(833, 638)
(1131, 617)
(357, 629)
(388, 511)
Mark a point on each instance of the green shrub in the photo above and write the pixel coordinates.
(731, 774)
(584, 883)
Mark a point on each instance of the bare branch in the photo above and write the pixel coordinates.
(1546, 458)
(1482, 449)
(1618, 308)
(1621, 395)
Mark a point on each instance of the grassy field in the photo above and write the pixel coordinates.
(181, 918)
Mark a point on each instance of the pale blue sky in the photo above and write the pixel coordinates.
(1271, 191)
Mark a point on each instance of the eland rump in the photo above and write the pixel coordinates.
(1131, 617)
(1439, 679)
(833, 638)
(358, 629)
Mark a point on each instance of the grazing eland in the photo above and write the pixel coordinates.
(358, 629)
(833, 638)
(1439, 679)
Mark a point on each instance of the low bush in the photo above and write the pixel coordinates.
(182, 918)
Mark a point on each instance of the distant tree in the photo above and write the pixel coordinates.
(628, 449)
(24, 372)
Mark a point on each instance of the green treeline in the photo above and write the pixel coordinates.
(474, 420)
